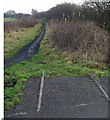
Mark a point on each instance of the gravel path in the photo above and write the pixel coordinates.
(63, 97)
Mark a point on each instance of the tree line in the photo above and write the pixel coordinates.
(13, 14)
(98, 12)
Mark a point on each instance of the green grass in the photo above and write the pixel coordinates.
(10, 19)
(55, 64)
(16, 40)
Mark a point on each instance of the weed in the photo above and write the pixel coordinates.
(9, 105)
(103, 96)
(103, 87)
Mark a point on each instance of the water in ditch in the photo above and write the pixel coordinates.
(27, 51)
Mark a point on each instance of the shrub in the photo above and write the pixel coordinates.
(83, 39)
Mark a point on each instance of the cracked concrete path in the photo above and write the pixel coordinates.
(63, 97)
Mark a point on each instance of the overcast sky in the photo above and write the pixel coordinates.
(25, 6)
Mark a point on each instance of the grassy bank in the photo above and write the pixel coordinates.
(14, 41)
(10, 19)
(52, 60)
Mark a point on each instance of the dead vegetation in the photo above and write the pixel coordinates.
(81, 39)
(22, 23)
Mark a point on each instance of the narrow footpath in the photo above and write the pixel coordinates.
(27, 51)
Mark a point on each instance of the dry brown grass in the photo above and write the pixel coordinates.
(81, 39)
(14, 41)
(22, 23)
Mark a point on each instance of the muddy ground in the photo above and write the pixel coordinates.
(63, 97)
(27, 51)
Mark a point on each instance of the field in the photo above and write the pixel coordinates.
(10, 19)
(26, 22)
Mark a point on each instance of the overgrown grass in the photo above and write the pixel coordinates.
(82, 39)
(25, 22)
(49, 59)
(14, 41)
(10, 19)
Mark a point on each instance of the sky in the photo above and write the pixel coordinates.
(25, 6)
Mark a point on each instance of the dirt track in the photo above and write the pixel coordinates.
(63, 97)
(27, 51)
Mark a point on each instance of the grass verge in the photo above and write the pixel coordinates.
(14, 41)
(51, 60)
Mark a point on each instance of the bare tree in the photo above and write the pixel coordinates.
(34, 13)
(97, 10)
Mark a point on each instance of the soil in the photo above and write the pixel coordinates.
(27, 51)
(63, 97)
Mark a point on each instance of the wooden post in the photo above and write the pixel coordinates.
(51, 21)
(73, 13)
(83, 17)
(65, 19)
(63, 15)
(79, 14)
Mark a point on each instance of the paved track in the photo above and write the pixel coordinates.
(63, 97)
